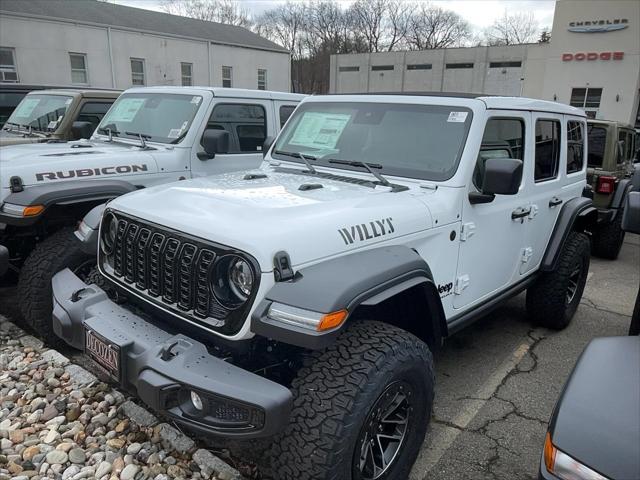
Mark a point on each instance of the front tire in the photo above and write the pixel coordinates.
(57, 252)
(365, 398)
(553, 299)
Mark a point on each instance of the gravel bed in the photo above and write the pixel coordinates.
(58, 421)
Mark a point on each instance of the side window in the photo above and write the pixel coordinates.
(246, 124)
(285, 113)
(93, 112)
(503, 138)
(547, 155)
(575, 146)
(597, 138)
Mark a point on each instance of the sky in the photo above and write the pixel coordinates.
(479, 13)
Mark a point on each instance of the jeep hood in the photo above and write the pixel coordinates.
(37, 164)
(266, 215)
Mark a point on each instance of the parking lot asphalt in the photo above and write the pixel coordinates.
(498, 380)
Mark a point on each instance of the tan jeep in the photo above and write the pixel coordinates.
(610, 167)
(64, 114)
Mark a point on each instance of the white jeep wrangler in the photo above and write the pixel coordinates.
(150, 136)
(301, 301)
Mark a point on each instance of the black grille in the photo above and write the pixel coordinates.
(170, 269)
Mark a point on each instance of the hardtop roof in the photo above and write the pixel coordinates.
(222, 92)
(78, 92)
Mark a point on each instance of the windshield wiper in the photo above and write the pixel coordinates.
(142, 137)
(301, 156)
(109, 131)
(368, 166)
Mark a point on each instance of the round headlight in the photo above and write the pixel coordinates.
(108, 234)
(232, 280)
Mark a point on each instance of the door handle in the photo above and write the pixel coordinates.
(520, 212)
(555, 201)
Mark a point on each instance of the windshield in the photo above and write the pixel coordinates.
(158, 117)
(417, 141)
(40, 112)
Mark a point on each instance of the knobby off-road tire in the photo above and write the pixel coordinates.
(553, 299)
(57, 252)
(608, 238)
(370, 364)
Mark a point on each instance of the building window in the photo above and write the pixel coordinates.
(377, 68)
(586, 98)
(78, 68)
(227, 74)
(419, 66)
(137, 71)
(547, 150)
(349, 69)
(8, 72)
(458, 65)
(575, 146)
(262, 79)
(246, 124)
(505, 64)
(186, 71)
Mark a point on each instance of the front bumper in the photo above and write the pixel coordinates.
(4, 260)
(163, 368)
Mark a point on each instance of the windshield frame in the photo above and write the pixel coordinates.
(127, 138)
(386, 170)
(24, 128)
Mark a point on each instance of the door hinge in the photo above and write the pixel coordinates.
(534, 211)
(462, 282)
(467, 230)
(527, 253)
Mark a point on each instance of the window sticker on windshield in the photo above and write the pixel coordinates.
(68, 101)
(125, 110)
(320, 130)
(52, 124)
(457, 117)
(174, 133)
(26, 107)
(196, 100)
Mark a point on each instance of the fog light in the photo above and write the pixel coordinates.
(196, 401)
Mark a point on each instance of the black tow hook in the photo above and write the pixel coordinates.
(75, 296)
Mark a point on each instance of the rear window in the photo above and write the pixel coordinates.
(575, 146)
(597, 137)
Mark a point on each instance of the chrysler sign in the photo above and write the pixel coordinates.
(596, 26)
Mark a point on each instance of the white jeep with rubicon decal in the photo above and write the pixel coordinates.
(150, 136)
(300, 302)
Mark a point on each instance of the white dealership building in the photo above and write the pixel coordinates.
(592, 62)
(99, 44)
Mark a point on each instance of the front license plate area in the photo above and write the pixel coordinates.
(105, 353)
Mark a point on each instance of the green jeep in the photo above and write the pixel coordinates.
(610, 168)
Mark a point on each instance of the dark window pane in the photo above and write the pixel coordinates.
(6, 57)
(459, 65)
(376, 68)
(577, 97)
(248, 122)
(419, 66)
(575, 146)
(285, 113)
(251, 137)
(597, 138)
(505, 64)
(593, 98)
(77, 62)
(547, 149)
(349, 69)
(503, 138)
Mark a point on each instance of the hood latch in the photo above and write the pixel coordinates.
(282, 269)
(15, 184)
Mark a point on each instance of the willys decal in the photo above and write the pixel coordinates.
(366, 231)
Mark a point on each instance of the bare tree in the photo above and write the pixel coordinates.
(381, 25)
(432, 27)
(512, 29)
(221, 11)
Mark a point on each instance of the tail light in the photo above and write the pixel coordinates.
(606, 184)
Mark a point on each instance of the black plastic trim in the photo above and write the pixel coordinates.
(577, 214)
(4, 260)
(362, 278)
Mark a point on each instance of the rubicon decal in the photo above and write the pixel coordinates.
(367, 231)
(91, 172)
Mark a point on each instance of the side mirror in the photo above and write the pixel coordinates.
(631, 213)
(502, 176)
(267, 145)
(214, 141)
(81, 130)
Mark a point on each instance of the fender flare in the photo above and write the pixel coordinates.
(577, 214)
(88, 229)
(364, 278)
(63, 193)
(624, 187)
